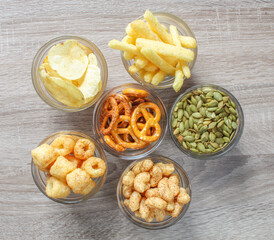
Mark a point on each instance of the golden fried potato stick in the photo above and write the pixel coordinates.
(142, 73)
(140, 61)
(156, 27)
(150, 67)
(175, 35)
(133, 69)
(186, 69)
(188, 42)
(143, 30)
(115, 44)
(148, 76)
(166, 49)
(153, 57)
(179, 78)
(158, 77)
(130, 40)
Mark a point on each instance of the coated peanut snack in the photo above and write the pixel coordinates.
(153, 190)
(70, 164)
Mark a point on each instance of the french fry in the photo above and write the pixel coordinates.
(157, 27)
(188, 42)
(166, 49)
(186, 70)
(133, 69)
(129, 39)
(150, 67)
(179, 78)
(175, 35)
(143, 30)
(142, 73)
(128, 56)
(158, 77)
(130, 31)
(115, 44)
(171, 60)
(153, 57)
(140, 61)
(148, 76)
(164, 27)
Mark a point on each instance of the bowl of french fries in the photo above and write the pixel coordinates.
(158, 50)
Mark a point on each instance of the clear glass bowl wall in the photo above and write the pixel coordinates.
(168, 221)
(39, 86)
(167, 19)
(130, 154)
(40, 177)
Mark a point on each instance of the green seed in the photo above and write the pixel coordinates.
(202, 111)
(184, 104)
(193, 108)
(176, 131)
(186, 114)
(204, 137)
(197, 136)
(203, 98)
(186, 124)
(206, 122)
(174, 123)
(232, 135)
(220, 123)
(194, 150)
(180, 104)
(233, 111)
(220, 104)
(218, 96)
(181, 127)
(208, 150)
(219, 141)
(188, 109)
(201, 147)
(180, 113)
(214, 144)
(234, 125)
(228, 123)
(212, 137)
(186, 133)
(226, 139)
(195, 127)
(212, 125)
(196, 115)
(199, 104)
(225, 99)
(212, 109)
(193, 144)
(218, 134)
(209, 95)
(203, 129)
(226, 133)
(191, 123)
(184, 145)
(193, 100)
(212, 103)
(206, 89)
(189, 138)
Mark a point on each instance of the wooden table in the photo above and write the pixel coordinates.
(233, 196)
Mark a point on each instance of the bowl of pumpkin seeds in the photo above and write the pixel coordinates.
(206, 121)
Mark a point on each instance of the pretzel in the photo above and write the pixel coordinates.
(116, 132)
(124, 104)
(138, 93)
(109, 141)
(106, 114)
(151, 122)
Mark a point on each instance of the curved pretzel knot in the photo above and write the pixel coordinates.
(117, 132)
(137, 93)
(109, 115)
(151, 122)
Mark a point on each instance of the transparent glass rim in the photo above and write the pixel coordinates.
(36, 173)
(230, 145)
(185, 182)
(96, 124)
(36, 81)
(168, 82)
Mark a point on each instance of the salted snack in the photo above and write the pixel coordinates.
(130, 120)
(70, 164)
(153, 191)
(205, 120)
(156, 52)
(71, 74)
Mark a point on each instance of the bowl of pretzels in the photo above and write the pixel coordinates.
(130, 121)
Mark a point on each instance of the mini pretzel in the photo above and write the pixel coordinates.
(138, 93)
(106, 114)
(116, 132)
(124, 104)
(109, 141)
(151, 122)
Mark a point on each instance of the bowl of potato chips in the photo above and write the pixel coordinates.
(159, 50)
(69, 73)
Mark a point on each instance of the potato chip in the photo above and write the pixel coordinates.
(62, 90)
(91, 84)
(68, 59)
(86, 49)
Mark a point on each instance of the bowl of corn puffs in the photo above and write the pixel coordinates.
(158, 50)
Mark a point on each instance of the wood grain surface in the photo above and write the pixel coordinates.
(233, 196)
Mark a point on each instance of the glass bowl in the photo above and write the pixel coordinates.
(183, 29)
(129, 154)
(43, 92)
(235, 139)
(168, 221)
(39, 176)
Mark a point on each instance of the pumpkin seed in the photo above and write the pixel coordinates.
(212, 125)
(193, 108)
(181, 127)
(234, 125)
(189, 138)
(184, 145)
(201, 147)
(218, 96)
(212, 103)
(194, 150)
(212, 137)
(176, 131)
(196, 115)
(186, 124)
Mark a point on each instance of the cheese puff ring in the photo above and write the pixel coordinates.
(64, 145)
(138, 93)
(150, 122)
(107, 114)
(109, 141)
(84, 149)
(116, 131)
(94, 166)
